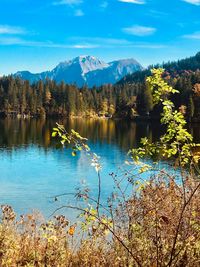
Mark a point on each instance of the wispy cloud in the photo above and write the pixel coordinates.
(10, 41)
(99, 42)
(193, 2)
(104, 4)
(5, 29)
(138, 2)
(157, 14)
(79, 43)
(79, 13)
(67, 2)
(19, 41)
(84, 46)
(48, 44)
(195, 35)
(73, 4)
(103, 42)
(149, 46)
(138, 30)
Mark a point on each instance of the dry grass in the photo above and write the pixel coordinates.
(153, 228)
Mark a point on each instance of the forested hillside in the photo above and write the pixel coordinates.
(128, 99)
(184, 75)
(174, 68)
(18, 97)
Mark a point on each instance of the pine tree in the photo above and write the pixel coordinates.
(148, 100)
(190, 108)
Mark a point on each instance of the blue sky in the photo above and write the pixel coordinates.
(36, 35)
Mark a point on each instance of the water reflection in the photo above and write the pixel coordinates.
(15, 133)
(32, 168)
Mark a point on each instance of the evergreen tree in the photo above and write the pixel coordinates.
(190, 108)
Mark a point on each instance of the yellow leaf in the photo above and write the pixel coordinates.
(71, 230)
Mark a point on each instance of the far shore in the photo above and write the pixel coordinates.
(136, 118)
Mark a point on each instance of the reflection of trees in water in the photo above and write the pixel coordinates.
(126, 134)
(16, 132)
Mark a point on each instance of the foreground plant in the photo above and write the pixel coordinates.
(158, 223)
(151, 219)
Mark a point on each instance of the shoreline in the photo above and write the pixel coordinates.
(138, 118)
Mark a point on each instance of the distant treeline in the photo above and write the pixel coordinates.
(128, 99)
(18, 97)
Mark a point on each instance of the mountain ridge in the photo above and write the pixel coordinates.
(85, 70)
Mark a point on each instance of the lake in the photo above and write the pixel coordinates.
(34, 168)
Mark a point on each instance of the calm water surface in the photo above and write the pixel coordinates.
(33, 168)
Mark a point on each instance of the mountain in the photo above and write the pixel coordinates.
(26, 75)
(114, 72)
(85, 70)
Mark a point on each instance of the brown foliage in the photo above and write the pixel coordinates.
(142, 232)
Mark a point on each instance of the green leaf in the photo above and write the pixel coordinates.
(73, 153)
(54, 134)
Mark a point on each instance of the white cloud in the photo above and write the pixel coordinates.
(5, 29)
(84, 46)
(67, 2)
(139, 30)
(193, 2)
(138, 2)
(195, 35)
(79, 13)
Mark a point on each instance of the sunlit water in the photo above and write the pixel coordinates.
(33, 169)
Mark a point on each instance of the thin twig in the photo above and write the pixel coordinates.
(106, 226)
